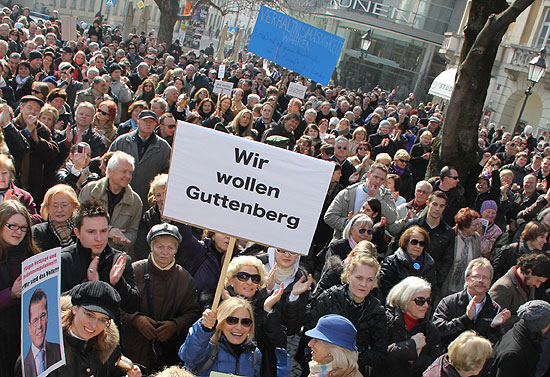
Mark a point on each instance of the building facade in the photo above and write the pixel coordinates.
(406, 38)
(506, 93)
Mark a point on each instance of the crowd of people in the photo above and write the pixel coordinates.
(407, 274)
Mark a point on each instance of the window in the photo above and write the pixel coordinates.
(83, 5)
(116, 7)
(62, 3)
(544, 30)
(73, 4)
(53, 3)
(92, 5)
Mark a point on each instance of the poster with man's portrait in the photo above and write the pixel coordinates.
(42, 348)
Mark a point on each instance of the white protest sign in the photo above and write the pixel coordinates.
(68, 28)
(221, 71)
(41, 313)
(296, 90)
(222, 87)
(246, 189)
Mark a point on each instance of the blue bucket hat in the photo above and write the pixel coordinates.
(335, 329)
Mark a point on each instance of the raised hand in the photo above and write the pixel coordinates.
(501, 318)
(275, 297)
(209, 318)
(92, 273)
(271, 277)
(118, 268)
(302, 285)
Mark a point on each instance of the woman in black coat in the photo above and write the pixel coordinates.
(355, 301)
(400, 167)
(409, 260)
(57, 209)
(21, 83)
(420, 156)
(414, 341)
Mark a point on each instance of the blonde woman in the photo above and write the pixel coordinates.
(242, 124)
(209, 346)
(355, 301)
(333, 348)
(466, 357)
(49, 116)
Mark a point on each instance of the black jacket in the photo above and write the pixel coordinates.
(368, 318)
(455, 201)
(402, 349)
(75, 260)
(44, 238)
(442, 245)
(516, 354)
(451, 320)
(407, 183)
(398, 266)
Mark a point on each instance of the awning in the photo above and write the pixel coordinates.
(443, 84)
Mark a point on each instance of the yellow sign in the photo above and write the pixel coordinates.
(140, 4)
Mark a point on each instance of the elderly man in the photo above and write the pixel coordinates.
(518, 285)
(171, 95)
(31, 145)
(137, 78)
(473, 308)
(122, 203)
(120, 89)
(151, 153)
(91, 258)
(352, 198)
(413, 209)
(96, 94)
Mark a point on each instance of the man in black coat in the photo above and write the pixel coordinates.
(471, 309)
(91, 258)
(285, 128)
(448, 182)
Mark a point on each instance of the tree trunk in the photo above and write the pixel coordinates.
(169, 10)
(459, 136)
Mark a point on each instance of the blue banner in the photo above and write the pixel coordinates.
(295, 45)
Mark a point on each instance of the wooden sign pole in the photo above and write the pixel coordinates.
(226, 259)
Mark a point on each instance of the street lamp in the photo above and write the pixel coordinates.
(537, 67)
(366, 40)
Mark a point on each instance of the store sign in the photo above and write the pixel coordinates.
(375, 9)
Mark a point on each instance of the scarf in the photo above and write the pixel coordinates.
(319, 370)
(282, 275)
(410, 322)
(63, 231)
(20, 81)
(163, 268)
(399, 171)
(465, 251)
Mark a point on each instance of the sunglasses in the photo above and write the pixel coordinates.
(364, 230)
(403, 161)
(244, 276)
(101, 111)
(245, 322)
(362, 148)
(417, 242)
(420, 301)
(342, 147)
(454, 177)
(171, 125)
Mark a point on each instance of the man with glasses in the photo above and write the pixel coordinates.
(91, 258)
(413, 209)
(351, 199)
(473, 308)
(167, 128)
(96, 94)
(42, 354)
(448, 182)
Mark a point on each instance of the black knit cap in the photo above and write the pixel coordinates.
(96, 296)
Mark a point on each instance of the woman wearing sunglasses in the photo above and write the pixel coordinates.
(355, 301)
(104, 121)
(358, 229)
(409, 260)
(341, 149)
(246, 277)
(414, 341)
(222, 341)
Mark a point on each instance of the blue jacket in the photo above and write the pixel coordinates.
(196, 351)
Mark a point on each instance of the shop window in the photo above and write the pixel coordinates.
(544, 32)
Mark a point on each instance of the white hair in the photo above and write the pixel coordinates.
(117, 158)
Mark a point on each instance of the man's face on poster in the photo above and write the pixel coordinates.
(38, 322)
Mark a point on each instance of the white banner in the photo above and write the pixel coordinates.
(42, 349)
(222, 87)
(246, 189)
(221, 72)
(296, 90)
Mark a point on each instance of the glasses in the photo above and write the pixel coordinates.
(57, 206)
(417, 242)
(171, 125)
(362, 148)
(245, 322)
(420, 191)
(480, 277)
(342, 147)
(455, 177)
(17, 228)
(43, 317)
(403, 161)
(244, 276)
(365, 230)
(90, 317)
(283, 252)
(101, 112)
(420, 301)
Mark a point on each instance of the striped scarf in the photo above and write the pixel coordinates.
(63, 231)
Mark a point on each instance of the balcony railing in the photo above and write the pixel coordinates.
(522, 55)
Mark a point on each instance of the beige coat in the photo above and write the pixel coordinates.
(127, 212)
